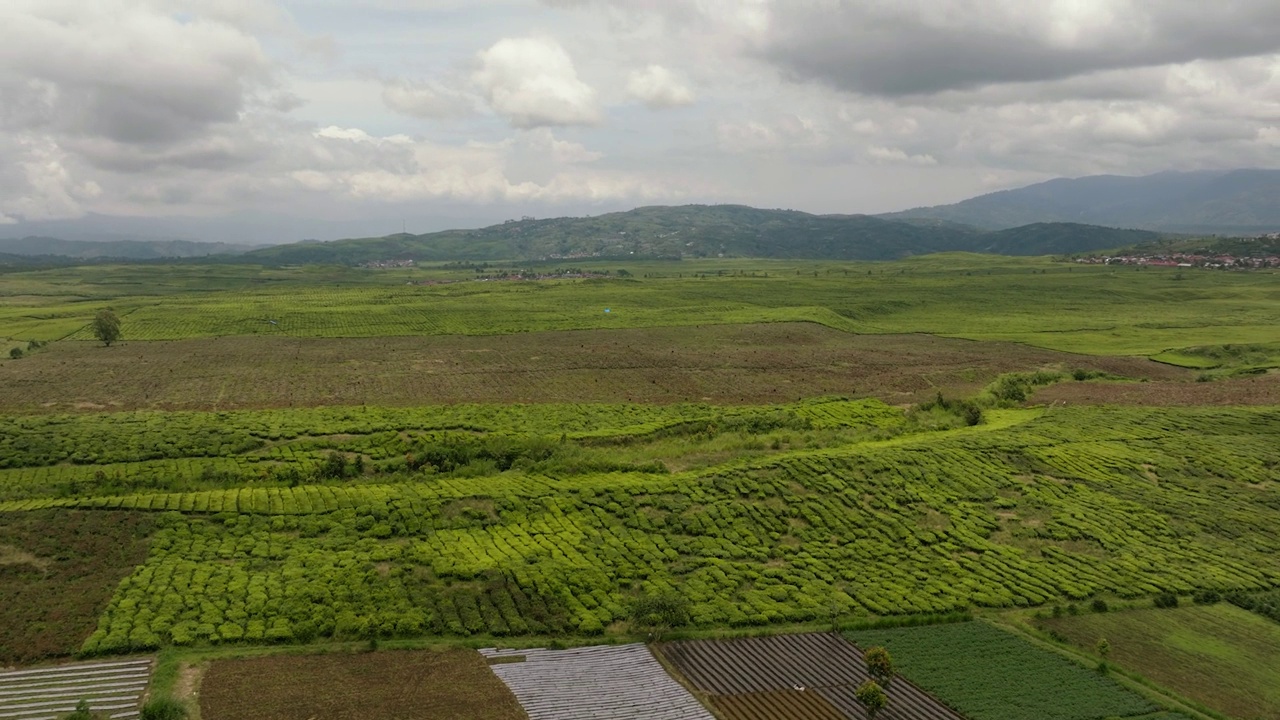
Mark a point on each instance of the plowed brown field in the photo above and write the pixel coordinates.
(395, 684)
(723, 364)
(756, 678)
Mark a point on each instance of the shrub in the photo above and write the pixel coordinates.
(1166, 600)
(82, 712)
(1206, 597)
(1099, 605)
(15, 353)
(163, 709)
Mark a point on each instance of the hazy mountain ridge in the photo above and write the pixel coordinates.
(35, 246)
(705, 231)
(1222, 202)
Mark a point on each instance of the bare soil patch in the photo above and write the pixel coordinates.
(721, 364)
(392, 684)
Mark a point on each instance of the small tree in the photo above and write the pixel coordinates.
(872, 697)
(106, 327)
(1104, 649)
(879, 664)
(82, 712)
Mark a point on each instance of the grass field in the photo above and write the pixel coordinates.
(990, 674)
(720, 364)
(57, 573)
(390, 684)
(1219, 655)
(1061, 306)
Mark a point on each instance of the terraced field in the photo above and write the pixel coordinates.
(112, 689)
(607, 682)
(792, 676)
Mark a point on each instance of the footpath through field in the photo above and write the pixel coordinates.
(112, 689)
(606, 682)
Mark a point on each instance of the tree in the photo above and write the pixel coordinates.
(879, 664)
(106, 327)
(872, 697)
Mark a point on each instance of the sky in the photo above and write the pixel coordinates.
(274, 120)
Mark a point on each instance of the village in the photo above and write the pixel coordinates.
(1186, 260)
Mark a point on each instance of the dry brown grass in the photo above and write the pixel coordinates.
(58, 569)
(392, 684)
(1257, 390)
(720, 364)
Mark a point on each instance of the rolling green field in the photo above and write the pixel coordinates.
(338, 455)
(1061, 306)
(1028, 508)
(1219, 655)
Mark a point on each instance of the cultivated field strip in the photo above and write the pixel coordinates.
(113, 690)
(756, 674)
(609, 682)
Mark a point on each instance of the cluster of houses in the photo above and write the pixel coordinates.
(1186, 260)
(387, 264)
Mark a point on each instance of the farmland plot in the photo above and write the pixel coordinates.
(792, 676)
(989, 674)
(619, 682)
(112, 689)
(386, 685)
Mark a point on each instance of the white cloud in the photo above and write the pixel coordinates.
(532, 83)
(658, 87)
(424, 100)
(120, 70)
(893, 155)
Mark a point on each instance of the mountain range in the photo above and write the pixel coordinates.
(706, 231)
(34, 245)
(1062, 216)
(1227, 202)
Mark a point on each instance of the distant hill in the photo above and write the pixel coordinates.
(123, 249)
(1061, 238)
(702, 231)
(1242, 202)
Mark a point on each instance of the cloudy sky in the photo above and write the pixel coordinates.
(279, 119)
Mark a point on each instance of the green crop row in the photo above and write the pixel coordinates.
(989, 674)
(97, 439)
(994, 516)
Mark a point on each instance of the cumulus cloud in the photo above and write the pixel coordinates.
(658, 87)
(911, 47)
(117, 70)
(532, 83)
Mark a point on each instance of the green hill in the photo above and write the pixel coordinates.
(703, 231)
